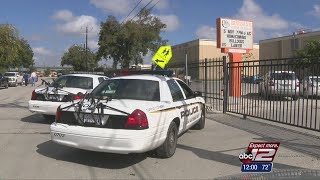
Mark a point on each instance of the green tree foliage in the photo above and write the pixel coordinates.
(76, 57)
(25, 54)
(126, 43)
(14, 51)
(308, 55)
(47, 72)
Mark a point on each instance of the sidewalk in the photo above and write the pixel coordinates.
(299, 150)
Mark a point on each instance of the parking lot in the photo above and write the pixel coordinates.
(28, 153)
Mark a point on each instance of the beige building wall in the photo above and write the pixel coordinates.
(200, 49)
(283, 47)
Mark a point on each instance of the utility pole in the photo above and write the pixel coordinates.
(86, 48)
(186, 70)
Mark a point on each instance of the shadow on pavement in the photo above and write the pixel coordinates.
(220, 156)
(36, 118)
(88, 158)
(291, 139)
(13, 105)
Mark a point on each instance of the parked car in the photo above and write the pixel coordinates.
(131, 114)
(46, 100)
(256, 79)
(13, 78)
(4, 82)
(310, 86)
(280, 83)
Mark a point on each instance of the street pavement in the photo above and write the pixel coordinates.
(26, 151)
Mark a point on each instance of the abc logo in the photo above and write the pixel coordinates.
(246, 157)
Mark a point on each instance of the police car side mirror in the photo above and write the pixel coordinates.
(197, 94)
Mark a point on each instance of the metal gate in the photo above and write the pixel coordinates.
(262, 93)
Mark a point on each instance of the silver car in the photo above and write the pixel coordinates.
(280, 83)
(310, 86)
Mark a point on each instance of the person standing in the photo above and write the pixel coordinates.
(33, 78)
(26, 79)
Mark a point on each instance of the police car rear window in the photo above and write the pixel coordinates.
(136, 89)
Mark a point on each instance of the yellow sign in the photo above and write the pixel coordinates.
(163, 56)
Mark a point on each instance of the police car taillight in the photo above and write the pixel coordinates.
(76, 97)
(137, 120)
(33, 95)
(58, 115)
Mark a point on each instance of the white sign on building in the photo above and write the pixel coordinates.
(234, 34)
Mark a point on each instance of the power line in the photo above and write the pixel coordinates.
(154, 4)
(130, 12)
(141, 10)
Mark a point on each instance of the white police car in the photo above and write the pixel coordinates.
(130, 114)
(46, 100)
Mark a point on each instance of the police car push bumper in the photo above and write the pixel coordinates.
(107, 140)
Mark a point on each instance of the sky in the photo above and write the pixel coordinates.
(52, 26)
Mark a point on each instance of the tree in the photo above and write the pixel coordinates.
(9, 45)
(126, 43)
(76, 57)
(308, 55)
(14, 51)
(47, 72)
(25, 54)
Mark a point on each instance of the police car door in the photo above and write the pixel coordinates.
(192, 108)
(178, 102)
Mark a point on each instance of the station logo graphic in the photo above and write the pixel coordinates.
(258, 157)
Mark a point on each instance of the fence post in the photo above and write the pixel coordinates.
(205, 78)
(225, 84)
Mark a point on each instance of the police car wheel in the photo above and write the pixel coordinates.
(168, 148)
(201, 123)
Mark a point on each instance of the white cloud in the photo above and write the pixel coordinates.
(46, 57)
(41, 51)
(172, 21)
(63, 15)
(162, 4)
(206, 32)
(316, 11)
(93, 45)
(250, 10)
(123, 7)
(147, 59)
(75, 25)
(118, 7)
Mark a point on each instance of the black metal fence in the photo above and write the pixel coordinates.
(280, 90)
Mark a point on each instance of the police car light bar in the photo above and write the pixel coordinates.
(153, 72)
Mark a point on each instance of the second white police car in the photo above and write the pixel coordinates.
(130, 114)
(65, 88)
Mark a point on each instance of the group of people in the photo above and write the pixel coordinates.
(26, 78)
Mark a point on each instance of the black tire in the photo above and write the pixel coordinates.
(202, 122)
(50, 118)
(168, 148)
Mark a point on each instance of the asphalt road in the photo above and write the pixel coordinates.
(26, 151)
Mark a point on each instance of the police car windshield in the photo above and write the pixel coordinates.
(137, 89)
(74, 82)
